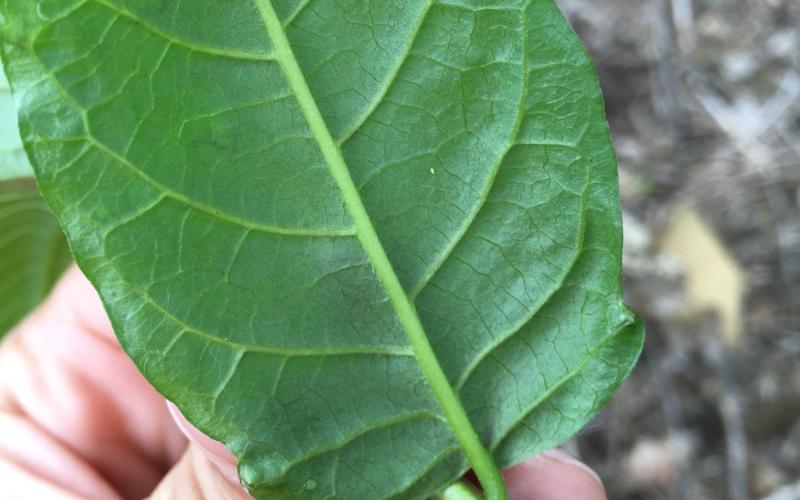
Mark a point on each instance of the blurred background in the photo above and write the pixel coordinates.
(703, 99)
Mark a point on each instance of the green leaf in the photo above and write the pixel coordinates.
(365, 244)
(33, 249)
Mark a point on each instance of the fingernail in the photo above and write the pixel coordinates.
(565, 458)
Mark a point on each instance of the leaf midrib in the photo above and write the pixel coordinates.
(478, 456)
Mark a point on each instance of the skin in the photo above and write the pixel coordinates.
(78, 421)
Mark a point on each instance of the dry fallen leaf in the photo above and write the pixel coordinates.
(714, 281)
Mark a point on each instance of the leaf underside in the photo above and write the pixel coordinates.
(197, 199)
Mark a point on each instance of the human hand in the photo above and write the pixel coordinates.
(78, 421)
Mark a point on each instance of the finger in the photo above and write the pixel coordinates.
(67, 386)
(24, 485)
(35, 464)
(553, 475)
(195, 477)
(212, 450)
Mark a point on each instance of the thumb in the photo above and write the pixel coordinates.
(206, 470)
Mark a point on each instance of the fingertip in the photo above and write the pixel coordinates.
(196, 477)
(212, 449)
(564, 458)
(553, 475)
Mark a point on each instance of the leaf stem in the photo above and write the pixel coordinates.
(458, 491)
(478, 456)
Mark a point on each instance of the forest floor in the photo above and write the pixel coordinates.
(703, 99)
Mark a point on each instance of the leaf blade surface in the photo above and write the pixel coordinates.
(229, 262)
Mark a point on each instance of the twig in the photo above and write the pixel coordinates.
(723, 359)
(683, 18)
